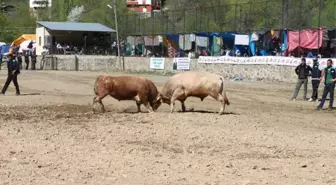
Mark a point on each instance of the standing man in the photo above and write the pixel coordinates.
(329, 74)
(13, 71)
(19, 59)
(26, 59)
(33, 59)
(316, 77)
(302, 71)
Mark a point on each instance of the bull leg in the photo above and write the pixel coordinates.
(138, 105)
(143, 99)
(183, 105)
(149, 108)
(177, 94)
(138, 102)
(221, 100)
(98, 100)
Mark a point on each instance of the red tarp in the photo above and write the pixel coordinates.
(307, 39)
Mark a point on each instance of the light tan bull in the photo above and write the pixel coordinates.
(196, 84)
(140, 89)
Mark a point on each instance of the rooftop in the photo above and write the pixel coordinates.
(75, 26)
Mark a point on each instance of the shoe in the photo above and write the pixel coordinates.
(310, 100)
(318, 108)
(17, 94)
(293, 99)
(330, 108)
(2, 94)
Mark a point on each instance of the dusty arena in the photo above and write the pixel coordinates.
(49, 135)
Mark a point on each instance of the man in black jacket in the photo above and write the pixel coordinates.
(303, 71)
(316, 77)
(329, 80)
(13, 71)
(26, 59)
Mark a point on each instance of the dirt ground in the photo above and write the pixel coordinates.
(50, 136)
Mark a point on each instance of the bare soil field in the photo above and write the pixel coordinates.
(49, 135)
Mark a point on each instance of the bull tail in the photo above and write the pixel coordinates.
(223, 91)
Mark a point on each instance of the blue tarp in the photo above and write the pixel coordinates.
(285, 42)
(204, 34)
(172, 37)
(252, 46)
(4, 49)
(224, 35)
(243, 49)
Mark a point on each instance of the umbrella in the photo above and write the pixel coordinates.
(24, 45)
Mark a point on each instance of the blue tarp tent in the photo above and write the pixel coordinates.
(227, 37)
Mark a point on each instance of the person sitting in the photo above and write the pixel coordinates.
(59, 48)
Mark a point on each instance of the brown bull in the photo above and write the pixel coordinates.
(140, 89)
(196, 84)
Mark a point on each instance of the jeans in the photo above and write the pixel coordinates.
(298, 86)
(315, 85)
(329, 88)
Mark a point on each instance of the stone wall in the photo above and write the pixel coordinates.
(78, 63)
(141, 64)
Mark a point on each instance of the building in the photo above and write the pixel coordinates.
(38, 5)
(144, 6)
(81, 35)
(35, 4)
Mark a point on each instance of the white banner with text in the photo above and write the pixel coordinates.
(267, 60)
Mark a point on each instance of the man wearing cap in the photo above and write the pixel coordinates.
(329, 79)
(13, 71)
(316, 77)
(303, 71)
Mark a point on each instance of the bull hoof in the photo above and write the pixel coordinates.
(221, 113)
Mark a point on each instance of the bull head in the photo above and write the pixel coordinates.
(164, 99)
(156, 103)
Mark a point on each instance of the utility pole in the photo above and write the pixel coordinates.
(117, 32)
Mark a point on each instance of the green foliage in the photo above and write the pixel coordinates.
(14, 24)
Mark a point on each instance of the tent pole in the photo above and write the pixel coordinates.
(319, 25)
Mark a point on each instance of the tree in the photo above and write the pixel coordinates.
(75, 14)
